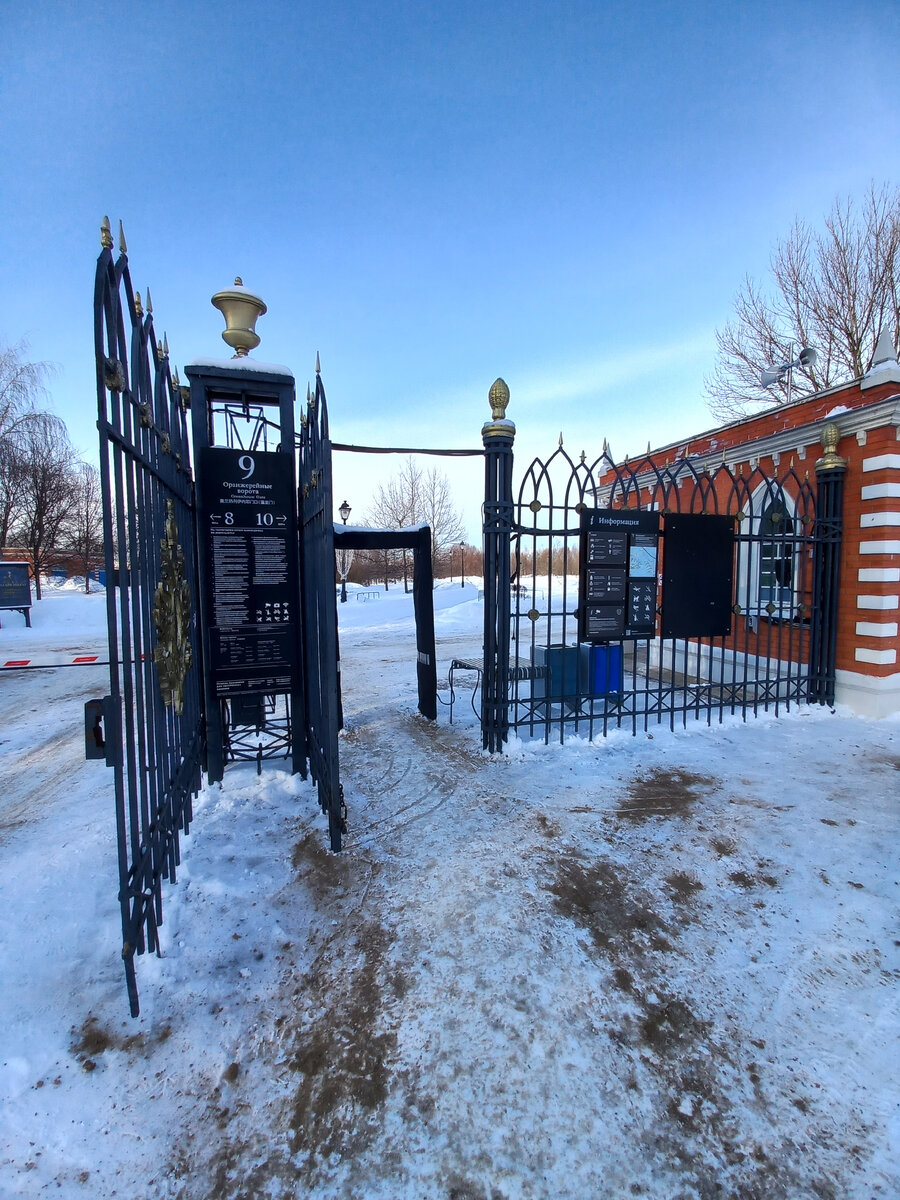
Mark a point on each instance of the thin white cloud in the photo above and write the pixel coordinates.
(600, 375)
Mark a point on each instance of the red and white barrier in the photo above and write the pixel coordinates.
(54, 660)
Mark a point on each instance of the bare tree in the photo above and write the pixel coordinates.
(835, 291)
(84, 537)
(12, 487)
(417, 497)
(22, 386)
(46, 456)
(439, 512)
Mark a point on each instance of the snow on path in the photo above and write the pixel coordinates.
(662, 966)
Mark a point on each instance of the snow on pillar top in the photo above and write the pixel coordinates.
(884, 368)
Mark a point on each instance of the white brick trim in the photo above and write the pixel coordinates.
(878, 574)
(878, 658)
(880, 491)
(879, 520)
(883, 603)
(880, 629)
(882, 462)
(868, 695)
(879, 547)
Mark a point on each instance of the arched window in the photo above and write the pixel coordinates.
(768, 563)
(776, 556)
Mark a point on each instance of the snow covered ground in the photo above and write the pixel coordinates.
(664, 966)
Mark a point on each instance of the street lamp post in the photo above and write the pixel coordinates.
(345, 562)
(462, 569)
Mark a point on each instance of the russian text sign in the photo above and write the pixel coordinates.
(617, 584)
(249, 537)
(15, 585)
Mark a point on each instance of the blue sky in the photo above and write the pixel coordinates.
(434, 194)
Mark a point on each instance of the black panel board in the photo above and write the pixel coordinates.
(698, 575)
(617, 583)
(251, 602)
(15, 585)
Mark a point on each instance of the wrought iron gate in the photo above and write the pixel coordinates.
(320, 639)
(154, 726)
(781, 603)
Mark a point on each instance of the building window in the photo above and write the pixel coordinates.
(776, 557)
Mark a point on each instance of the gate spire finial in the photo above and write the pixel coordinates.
(149, 302)
(830, 460)
(498, 398)
(318, 364)
(106, 240)
(123, 249)
(138, 306)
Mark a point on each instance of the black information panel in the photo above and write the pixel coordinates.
(698, 576)
(617, 586)
(15, 585)
(252, 594)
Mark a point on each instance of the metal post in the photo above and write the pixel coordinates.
(345, 511)
(497, 514)
(462, 571)
(830, 471)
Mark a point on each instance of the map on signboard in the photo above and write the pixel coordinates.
(642, 559)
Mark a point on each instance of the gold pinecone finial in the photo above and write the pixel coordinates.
(106, 238)
(830, 460)
(498, 398)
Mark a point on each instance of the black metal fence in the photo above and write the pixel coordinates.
(154, 728)
(320, 639)
(781, 587)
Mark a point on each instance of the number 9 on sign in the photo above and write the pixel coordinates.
(246, 463)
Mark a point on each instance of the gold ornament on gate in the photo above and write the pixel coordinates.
(241, 309)
(172, 618)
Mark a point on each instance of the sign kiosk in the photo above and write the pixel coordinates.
(248, 553)
(15, 588)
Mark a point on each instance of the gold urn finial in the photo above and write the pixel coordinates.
(830, 460)
(241, 309)
(498, 397)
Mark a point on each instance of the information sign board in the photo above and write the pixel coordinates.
(617, 585)
(251, 601)
(15, 585)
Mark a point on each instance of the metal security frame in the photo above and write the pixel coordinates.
(153, 714)
(779, 652)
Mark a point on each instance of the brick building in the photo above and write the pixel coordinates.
(788, 440)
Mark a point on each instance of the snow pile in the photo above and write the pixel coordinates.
(663, 966)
